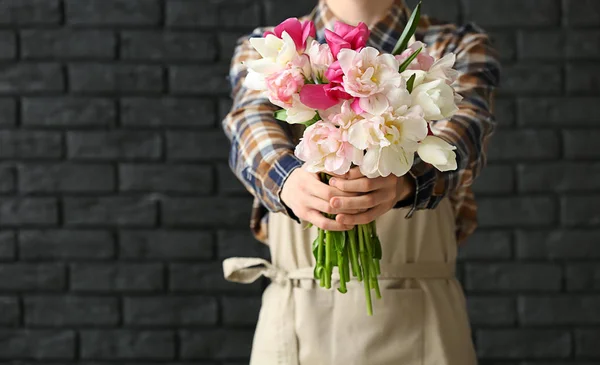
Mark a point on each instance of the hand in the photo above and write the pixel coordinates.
(305, 194)
(377, 196)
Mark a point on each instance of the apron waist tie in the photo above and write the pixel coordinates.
(246, 270)
(282, 310)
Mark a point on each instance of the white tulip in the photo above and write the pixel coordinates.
(436, 98)
(438, 152)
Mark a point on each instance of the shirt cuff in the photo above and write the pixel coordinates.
(424, 184)
(284, 167)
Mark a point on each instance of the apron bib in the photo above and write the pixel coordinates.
(420, 320)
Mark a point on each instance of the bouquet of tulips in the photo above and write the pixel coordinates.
(361, 108)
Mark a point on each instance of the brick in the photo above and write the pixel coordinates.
(37, 344)
(8, 245)
(523, 343)
(8, 112)
(583, 44)
(166, 245)
(8, 45)
(205, 211)
(70, 311)
(9, 311)
(172, 178)
(491, 311)
(581, 143)
(113, 12)
(505, 112)
(171, 46)
(65, 244)
(197, 146)
(227, 42)
(29, 78)
(68, 112)
(558, 244)
(227, 182)
(240, 311)
(586, 343)
(171, 311)
(516, 211)
(23, 211)
(487, 245)
(239, 243)
(28, 277)
(116, 210)
(582, 13)
(66, 177)
(205, 80)
(583, 79)
(541, 44)
(521, 79)
(531, 13)
(67, 44)
(111, 145)
(191, 13)
(573, 176)
(566, 112)
(276, 11)
(559, 310)
(116, 277)
(127, 344)
(539, 277)
(30, 144)
(30, 12)
(522, 145)
(505, 44)
(7, 179)
(495, 179)
(168, 112)
(583, 277)
(580, 210)
(204, 278)
(115, 78)
(216, 344)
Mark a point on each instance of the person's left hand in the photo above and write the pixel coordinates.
(379, 195)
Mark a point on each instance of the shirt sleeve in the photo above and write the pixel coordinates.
(262, 152)
(470, 128)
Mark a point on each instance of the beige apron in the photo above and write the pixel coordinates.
(421, 319)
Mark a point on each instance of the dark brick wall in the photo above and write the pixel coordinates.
(117, 204)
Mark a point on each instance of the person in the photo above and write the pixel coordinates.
(421, 217)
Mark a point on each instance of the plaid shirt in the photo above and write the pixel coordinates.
(262, 148)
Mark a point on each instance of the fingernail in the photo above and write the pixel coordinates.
(332, 181)
(336, 203)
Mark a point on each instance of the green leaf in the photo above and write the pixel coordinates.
(281, 114)
(339, 241)
(377, 254)
(408, 32)
(315, 248)
(409, 60)
(410, 83)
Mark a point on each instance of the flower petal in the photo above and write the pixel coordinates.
(314, 96)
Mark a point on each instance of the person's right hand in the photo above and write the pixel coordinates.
(305, 194)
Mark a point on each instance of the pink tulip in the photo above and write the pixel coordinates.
(423, 62)
(347, 36)
(283, 85)
(298, 31)
(356, 106)
(334, 75)
(315, 96)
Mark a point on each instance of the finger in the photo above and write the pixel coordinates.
(354, 173)
(327, 224)
(365, 201)
(324, 191)
(323, 206)
(361, 185)
(362, 218)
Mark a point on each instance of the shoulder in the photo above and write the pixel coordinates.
(448, 36)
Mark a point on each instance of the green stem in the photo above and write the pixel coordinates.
(341, 268)
(376, 284)
(328, 259)
(368, 242)
(346, 262)
(365, 267)
(354, 255)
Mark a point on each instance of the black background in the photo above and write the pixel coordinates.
(117, 205)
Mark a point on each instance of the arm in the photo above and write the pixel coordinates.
(470, 128)
(262, 154)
